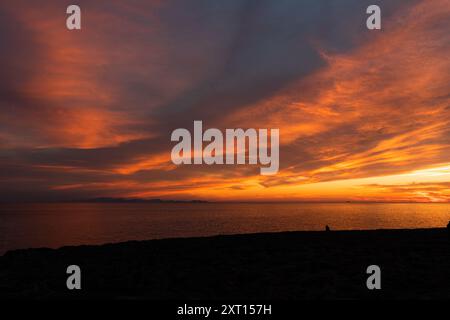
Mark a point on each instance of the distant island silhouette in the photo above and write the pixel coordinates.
(137, 200)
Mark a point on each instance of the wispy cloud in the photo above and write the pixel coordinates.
(90, 113)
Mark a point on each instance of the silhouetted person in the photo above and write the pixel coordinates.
(327, 228)
(448, 230)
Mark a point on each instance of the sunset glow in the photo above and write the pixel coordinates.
(85, 115)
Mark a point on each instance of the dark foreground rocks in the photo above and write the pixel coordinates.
(289, 265)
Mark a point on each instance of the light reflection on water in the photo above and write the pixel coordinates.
(56, 225)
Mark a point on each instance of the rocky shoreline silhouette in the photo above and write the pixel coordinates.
(287, 265)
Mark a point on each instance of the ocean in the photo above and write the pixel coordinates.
(61, 224)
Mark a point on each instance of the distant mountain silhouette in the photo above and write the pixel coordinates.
(138, 200)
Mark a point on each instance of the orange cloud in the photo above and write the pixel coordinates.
(371, 124)
(379, 109)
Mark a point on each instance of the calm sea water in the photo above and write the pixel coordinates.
(56, 225)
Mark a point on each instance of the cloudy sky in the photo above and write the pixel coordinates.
(363, 115)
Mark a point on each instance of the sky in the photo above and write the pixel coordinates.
(363, 114)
